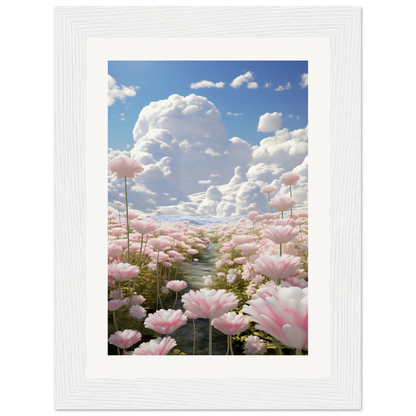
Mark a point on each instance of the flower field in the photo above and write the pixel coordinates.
(230, 288)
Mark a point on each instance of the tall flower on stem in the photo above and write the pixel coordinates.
(159, 244)
(268, 189)
(229, 324)
(192, 316)
(275, 267)
(176, 286)
(209, 303)
(280, 234)
(282, 203)
(125, 167)
(289, 179)
(125, 339)
(142, 227)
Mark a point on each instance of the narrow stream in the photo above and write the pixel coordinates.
(184, 336)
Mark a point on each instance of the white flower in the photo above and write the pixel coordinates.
(137, 312)
(254, 345)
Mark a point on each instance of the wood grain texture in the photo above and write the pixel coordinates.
(72, 26)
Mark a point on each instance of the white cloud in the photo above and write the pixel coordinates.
(252, 85)
(117, 93)
(267, 85)
(207, 84)
(122, 119)
(242, 79)
(270, 122)
(287, 148)
(234, 114)
(304, 81)
(298, 117)
(281, 88)
(183, 146)
(290, 115)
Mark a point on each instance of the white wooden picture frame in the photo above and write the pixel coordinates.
(331, 36)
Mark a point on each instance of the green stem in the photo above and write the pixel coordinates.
(176, 299)
(127, 219)
(119, 290)
(210, 337)
(228, 344)
(114, 318)
(231, 345)
(282, 214)
(177, 269)
(298, 351)
(140, 263)
(280, 250)
(115, 324)
(194, 335)
(157, 280)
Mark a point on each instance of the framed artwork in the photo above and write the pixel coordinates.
(207, 172)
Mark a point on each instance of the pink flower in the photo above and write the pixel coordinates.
(289, 178)
(276, 267)
(115, 304)
(125, 339)
(254, 345)
(268, 189)
(165, 322)
(160, 243)
(220, 275)
(251, 215)
(114, 250)
(282, 203)
(209, 303)
(280, 234)
(137, 312)
(122, 271)
(192, 251)
(132, 215)
(240, 260)
(248, 248)
(242, 239)
(231, 323)
(285, 320)
(144, 227)
(191, 315)
(176, 285)
(118, 203)
(159, 346)
(284, 222)
(137, 300)
(124, 166)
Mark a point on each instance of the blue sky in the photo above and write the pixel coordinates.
(157, 80)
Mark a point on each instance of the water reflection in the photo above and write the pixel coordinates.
(185, 335)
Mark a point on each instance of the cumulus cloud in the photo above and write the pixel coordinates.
(243, 79)
(270, 122)
(252, 85)
(192, 168)
(287, 148)
(119, 93)
(207, 84)
(304, 81)
(267, 85)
